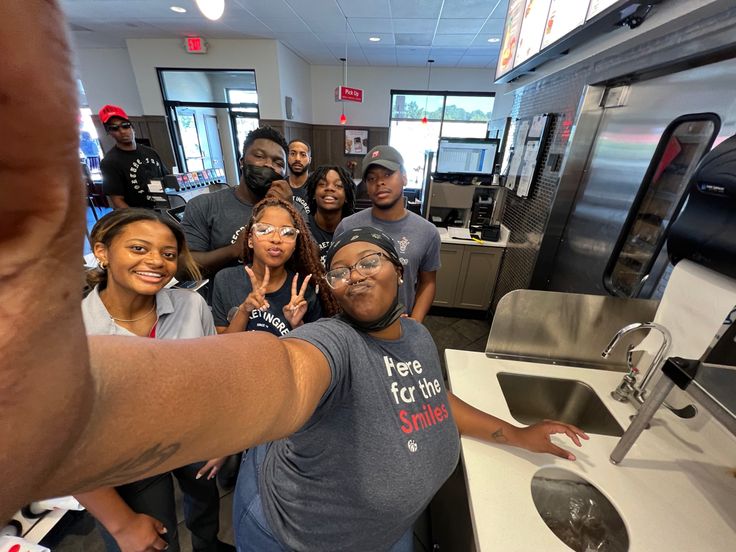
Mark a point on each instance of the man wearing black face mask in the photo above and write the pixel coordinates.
(214, 224)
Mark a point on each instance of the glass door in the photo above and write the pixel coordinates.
(661, 196)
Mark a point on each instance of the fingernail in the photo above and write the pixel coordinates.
(165, 531)
(198, 476)
(571, 457)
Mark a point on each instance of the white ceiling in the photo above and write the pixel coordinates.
(454, 33)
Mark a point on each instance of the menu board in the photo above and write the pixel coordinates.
(597, 6)
(514, 18)
(536, 25)
(532, 30)
(564, 16)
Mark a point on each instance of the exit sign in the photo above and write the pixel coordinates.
(195, 45)
(347, 94)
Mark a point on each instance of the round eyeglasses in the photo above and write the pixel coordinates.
(367, 266)
(262, 230)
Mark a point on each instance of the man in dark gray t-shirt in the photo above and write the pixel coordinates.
(214, 223)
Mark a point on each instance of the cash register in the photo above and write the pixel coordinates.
(461, 192)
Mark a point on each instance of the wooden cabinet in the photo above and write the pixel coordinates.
(468, 276)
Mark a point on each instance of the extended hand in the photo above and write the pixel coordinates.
(281, 190)
(536, 438)
(211, 468)
(297, 307)
(257, 297)
(141, 534)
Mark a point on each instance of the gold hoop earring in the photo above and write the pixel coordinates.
(102, 265)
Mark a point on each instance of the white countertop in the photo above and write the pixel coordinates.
(503, 239)
(675, 490)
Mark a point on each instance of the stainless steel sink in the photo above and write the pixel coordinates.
(535, 398)
(578, 513)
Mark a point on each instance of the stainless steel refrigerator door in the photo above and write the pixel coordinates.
(619, 155)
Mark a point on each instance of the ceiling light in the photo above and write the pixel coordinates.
(375, 39)
(211, 9)
(178, 9)
(494, 40)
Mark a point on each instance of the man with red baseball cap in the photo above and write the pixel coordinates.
(128, 167)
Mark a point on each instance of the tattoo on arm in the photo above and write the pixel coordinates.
(132, 469)
(498, 436)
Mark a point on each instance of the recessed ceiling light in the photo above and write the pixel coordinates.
(211, 9)
(375, 39)
(178, 9)
(494, 40)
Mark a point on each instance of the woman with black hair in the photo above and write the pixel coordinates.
(276, 289)
(138, 253)
(331, 197)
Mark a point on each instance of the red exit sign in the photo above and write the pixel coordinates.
(347, 94)
(195, 45)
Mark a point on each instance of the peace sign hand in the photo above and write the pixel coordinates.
(256, 299)
(297, 307)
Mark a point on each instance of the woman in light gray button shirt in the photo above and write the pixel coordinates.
(138, 254)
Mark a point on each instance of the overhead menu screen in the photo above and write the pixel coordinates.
(550, 27)
(564, 16)
(597, 6)
(514, 17)
(532, 30)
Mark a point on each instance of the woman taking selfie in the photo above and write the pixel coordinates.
(101, 410)
(275, 290)
(138, 254)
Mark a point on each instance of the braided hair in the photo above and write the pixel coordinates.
(348, 185)
(305, 259)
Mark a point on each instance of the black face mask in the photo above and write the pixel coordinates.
(393, 313)
(259, 178)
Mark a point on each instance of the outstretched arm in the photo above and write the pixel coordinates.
(45, 384)
(151, 414)
(535, 438)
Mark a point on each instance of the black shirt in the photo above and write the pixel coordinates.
(127, 174)
(322, 237)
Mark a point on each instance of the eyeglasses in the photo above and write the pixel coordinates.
(115, 128)
(367, 266)
(262, 230)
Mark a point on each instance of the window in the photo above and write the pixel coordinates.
(210, 112)
(449, 115)
(662, 193)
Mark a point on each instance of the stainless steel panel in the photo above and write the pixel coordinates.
(564, 328)
(620, 154)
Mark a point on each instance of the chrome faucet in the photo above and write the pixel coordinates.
(628, 388)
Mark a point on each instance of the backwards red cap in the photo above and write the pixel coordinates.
(109, 111)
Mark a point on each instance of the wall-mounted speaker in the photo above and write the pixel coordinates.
(288, 102)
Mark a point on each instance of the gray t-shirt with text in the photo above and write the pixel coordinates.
(212, 221)
(379, 445)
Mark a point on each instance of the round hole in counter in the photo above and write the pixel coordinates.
(577, 512)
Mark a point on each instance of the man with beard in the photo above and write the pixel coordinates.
(300, 156)
(331, 198)
(214, 223)
(417, 240)
(128, 167)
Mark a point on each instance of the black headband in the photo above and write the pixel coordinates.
(363, 234)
